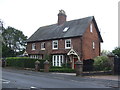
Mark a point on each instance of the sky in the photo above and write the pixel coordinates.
(29, 15)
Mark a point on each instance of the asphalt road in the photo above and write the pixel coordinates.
(24, 79)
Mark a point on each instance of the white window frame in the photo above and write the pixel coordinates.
(93, 45)
(43, 46)
(33, 46)
(91, 28)
(53, 44)
(67, 43)
(57, 60)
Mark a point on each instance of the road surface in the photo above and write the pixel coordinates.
(24, 79)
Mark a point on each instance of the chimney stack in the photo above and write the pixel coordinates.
(61, 17)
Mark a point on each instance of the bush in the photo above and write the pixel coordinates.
(24, 62)
(102, 63)
(64, 70)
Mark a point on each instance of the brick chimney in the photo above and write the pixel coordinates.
(61, 17)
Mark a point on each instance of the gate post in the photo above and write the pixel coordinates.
(79, 68)
(37, 65)
(111, 57)
(46, 66)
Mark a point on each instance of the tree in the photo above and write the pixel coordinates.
(14, 40)
(116, 51)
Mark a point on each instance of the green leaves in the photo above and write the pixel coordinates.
(102, 63)
(116, 51)
(14, 40)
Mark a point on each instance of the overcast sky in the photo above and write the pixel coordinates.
(29, 15)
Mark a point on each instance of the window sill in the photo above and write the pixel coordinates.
(55, 49)
(68, 48)
(43, 49)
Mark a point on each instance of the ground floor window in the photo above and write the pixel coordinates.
(57, 60)
(36, 56)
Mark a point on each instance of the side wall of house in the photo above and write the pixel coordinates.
(87, 43)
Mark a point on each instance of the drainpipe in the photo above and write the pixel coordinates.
(81, 48)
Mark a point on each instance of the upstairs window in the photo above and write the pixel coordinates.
(33, 46)
(93, 45)
(91, 28)
(55, 44)
(67, 43)
(43, 46)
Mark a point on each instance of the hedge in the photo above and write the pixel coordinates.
(63, 70)
(24, 62)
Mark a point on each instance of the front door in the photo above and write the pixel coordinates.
(75, 59)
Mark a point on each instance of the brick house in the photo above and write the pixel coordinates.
(66, 41)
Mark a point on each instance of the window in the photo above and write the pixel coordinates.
(33, 46)
(68, 44)
(93, 45)
(91, 28)
(55, 44)
(43, 46)
(57, 60)
(65, 29)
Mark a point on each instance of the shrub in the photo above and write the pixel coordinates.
(102, 63)
(24, 62)
(64, 70)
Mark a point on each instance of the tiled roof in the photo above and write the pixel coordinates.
(75, 28)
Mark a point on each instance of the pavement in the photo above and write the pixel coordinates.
(106, 77)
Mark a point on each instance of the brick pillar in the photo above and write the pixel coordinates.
(37, 65)
(46, 66)
(79, 68)
(111, 58)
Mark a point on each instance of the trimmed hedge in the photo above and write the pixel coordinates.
(24, 62)
(63, 70)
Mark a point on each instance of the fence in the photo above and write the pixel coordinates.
(117, 65)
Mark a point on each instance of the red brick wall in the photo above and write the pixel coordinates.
(87, 50)
(76, 43)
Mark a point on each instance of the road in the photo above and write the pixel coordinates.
(24, 79)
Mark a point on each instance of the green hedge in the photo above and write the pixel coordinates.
(64, 70)
(24, 62)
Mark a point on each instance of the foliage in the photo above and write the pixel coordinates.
(116, 51)
(102, 63)
(14, 40)
(61, 69)
(6, 51)
(105, 52)
(24, 62)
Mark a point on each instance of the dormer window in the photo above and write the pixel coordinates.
(65, 29)
(33, 46)
(91, 28)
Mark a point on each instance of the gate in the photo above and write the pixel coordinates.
(117, 65)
